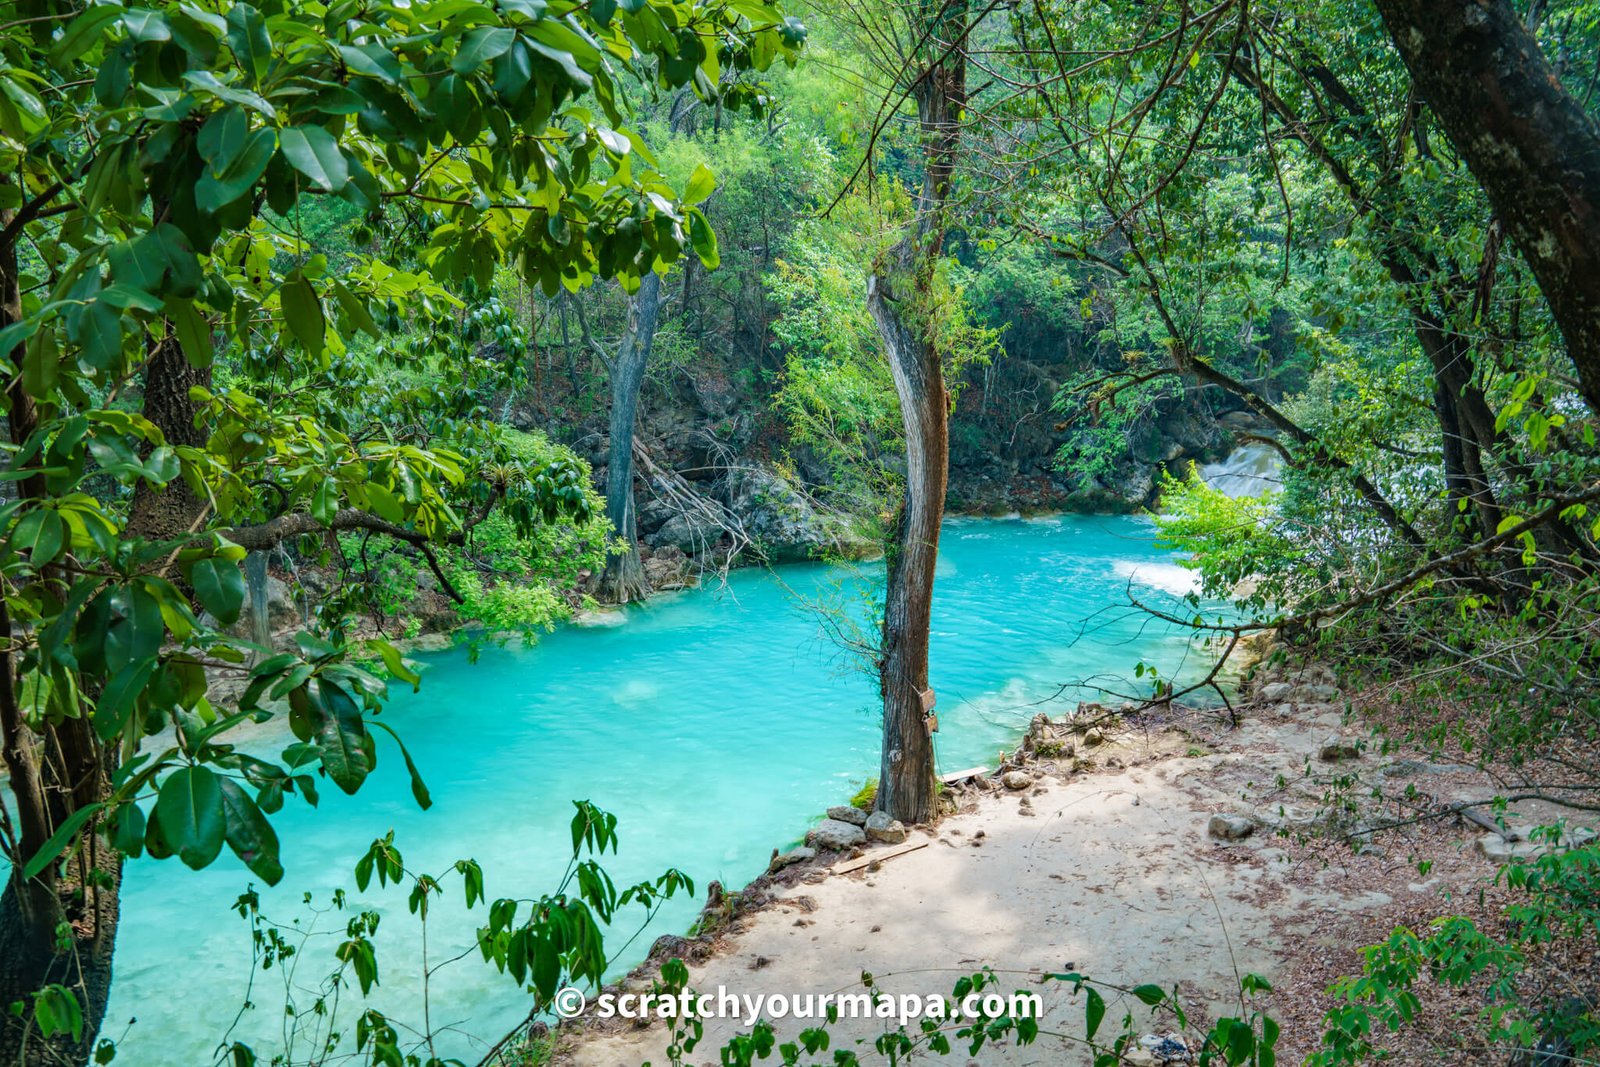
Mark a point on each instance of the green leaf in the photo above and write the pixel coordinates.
(119, 697)
(249, 834)
(1094, 1010)
(325, 501)
(395, 663)
(1151, 995)
(703, 239)
(419, 789)
(220, 588)
(303, 313)
(340, 736)
(247, 36)
(84, 30)
(146, 26)
(312, 151)
(190, 810)
(216, 190)
(41, 534)
(702, 183)
(223, 138)
(372, 60)
(53, 848)
(480, 46)
(194, 333)
(355, 309)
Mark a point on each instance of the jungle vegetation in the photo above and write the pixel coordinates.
(274, 277)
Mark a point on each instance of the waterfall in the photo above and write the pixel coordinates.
(255, 577)
(1250, 470)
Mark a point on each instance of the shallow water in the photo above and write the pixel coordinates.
(715, 724)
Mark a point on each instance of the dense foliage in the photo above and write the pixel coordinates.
(336, 290)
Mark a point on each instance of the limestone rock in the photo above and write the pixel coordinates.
(1514, 844)
(836, 835)
(847, 813)
(1313, 694)
(1230, 827)
(1276, 692)
(880, 827)
(1092, 737)
(1338, 748)
(1017, 780)
(784, 524)
(792, 857)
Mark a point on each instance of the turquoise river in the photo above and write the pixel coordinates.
(716, 723)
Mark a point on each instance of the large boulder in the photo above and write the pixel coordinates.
(784, 524)
(836, 835)
(689, 532)
(848, 813)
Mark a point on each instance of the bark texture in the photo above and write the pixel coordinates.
(1527, 141)
(51, 774)
(896, 297)
(623, 579)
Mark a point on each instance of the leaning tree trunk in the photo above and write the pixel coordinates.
(906, 774)
(898, 299)
(623, 579)
(1528, 142)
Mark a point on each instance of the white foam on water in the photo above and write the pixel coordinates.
(1167, 577)
(1249, 470)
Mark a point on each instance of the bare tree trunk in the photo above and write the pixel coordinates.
(623, 579)
(1529, 143)
(897, 293)
(906, 774)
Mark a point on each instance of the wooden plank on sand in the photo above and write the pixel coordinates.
(878, 857)
(957, 776)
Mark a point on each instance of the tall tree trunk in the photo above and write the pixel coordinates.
(623, 579)
(1527, 141)
(897, 297)
(174, 510)
(906, 773)
(54, 928)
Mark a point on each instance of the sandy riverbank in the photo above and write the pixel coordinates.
(1103, 865)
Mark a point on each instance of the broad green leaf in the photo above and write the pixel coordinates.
(340, 736)
(215, 191)
(248, 37)
(194, 333)
(480, 46)
(220, 588)
(1094, 1010)
(147, 26)
(249, 834)
(302, 311)
(312, 151)
(372, 60)
(193, 823)
(702, 183)
(41, 534)
(119, 696)
(83, 31)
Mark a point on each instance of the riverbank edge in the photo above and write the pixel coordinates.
(1046, 748)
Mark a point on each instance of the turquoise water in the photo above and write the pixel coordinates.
(716, 724)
